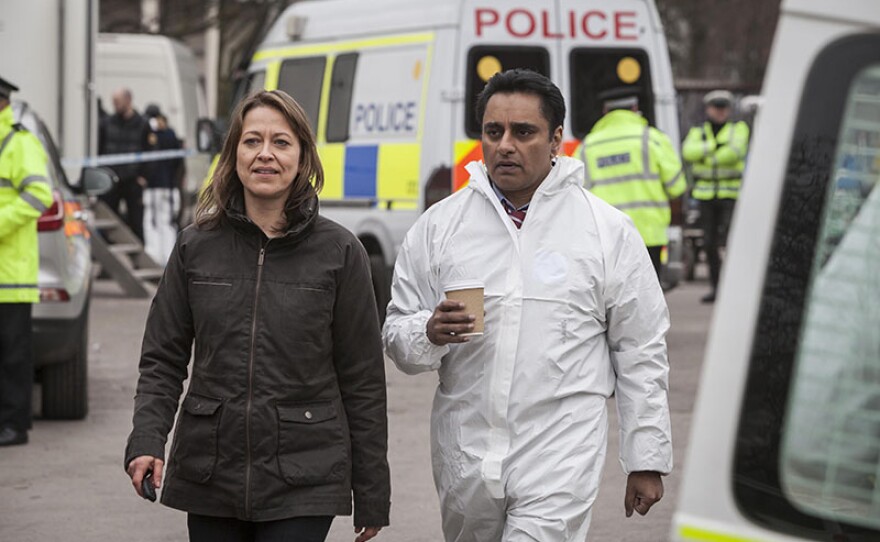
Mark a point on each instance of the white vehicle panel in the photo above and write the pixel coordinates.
(707, 501)
(387, 107)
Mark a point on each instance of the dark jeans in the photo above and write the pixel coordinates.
(133, 194)
(16, 365)
(304, 529)
(715, 215)
(655, 253)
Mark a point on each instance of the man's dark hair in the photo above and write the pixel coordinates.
(529, 82)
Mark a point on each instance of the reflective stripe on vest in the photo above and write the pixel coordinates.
(34, 202)
(636, 189)
(642, 205)
(6, 141)
(646, 162)
(30, 199)
(669, 184)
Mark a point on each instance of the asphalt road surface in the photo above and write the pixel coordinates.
(69, 484)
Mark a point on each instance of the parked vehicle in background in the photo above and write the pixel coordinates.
(390, 86)
(48, 50)
(56, 77)
(785, 442)
(158, 70)
(60, 320)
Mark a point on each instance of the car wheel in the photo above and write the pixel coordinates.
(65, 385)
(381, 284)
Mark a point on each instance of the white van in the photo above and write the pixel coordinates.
(158, 70)
(390, 85)
(785, 442)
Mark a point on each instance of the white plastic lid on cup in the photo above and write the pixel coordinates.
(463, 284)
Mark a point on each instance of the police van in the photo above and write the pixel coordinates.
(785, 441)
(389, 86)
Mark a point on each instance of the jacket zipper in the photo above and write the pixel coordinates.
(250, 397)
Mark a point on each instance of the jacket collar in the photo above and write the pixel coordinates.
(566, 172)
(303, 221)
(7, 118)
(619, 117)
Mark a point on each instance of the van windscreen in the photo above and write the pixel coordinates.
(487, 60)
(594, 71)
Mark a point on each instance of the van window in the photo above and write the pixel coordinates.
(807, 454)
(831, 439)
(303, 78)
(341, 88)
(485, 61)
(596, 70)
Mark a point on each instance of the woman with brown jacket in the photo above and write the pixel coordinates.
(284, 419)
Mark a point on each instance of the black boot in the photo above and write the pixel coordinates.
(708, 298)
(11, 437)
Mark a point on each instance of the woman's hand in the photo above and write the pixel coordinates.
(138, 468)
(366, 533)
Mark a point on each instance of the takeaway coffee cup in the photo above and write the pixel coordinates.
(469, 292)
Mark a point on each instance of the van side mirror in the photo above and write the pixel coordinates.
(209, 136)
(95, 181)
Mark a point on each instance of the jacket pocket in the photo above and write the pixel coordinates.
(196, 448)
(311, 444)
(311, 307)
(209, 299)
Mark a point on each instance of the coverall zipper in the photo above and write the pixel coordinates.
(250, 397)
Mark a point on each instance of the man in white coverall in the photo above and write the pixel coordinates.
(573, 313)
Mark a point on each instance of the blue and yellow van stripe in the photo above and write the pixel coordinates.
(384, 173)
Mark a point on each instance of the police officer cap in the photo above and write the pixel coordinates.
(6, 88)
(718, 98)
(620, 96)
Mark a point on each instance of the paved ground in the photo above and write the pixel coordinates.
(68, 483)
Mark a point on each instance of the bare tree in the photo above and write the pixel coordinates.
(720, 40)
(717, 44)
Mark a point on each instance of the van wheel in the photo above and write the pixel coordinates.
(65, 385)
(381, 284)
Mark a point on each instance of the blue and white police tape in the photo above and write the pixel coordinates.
(127, 158)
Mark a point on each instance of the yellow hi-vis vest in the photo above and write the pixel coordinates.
(635, 168)
(24, 196)
(717, 162)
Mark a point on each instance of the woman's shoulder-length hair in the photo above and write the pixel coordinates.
(225, 183)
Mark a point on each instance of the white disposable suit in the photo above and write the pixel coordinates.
(573, 313)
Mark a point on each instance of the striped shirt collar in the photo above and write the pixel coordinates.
(506, 202)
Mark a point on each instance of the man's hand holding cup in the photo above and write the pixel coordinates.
(459, 317)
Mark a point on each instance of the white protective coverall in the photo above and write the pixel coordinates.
(574, 312)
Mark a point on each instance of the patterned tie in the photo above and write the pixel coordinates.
(517, 215)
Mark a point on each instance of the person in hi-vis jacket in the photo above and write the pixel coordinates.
(25, 194)
(716, 151)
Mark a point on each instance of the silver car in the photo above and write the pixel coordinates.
(60, 320)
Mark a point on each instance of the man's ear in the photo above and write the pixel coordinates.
(556, 141)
